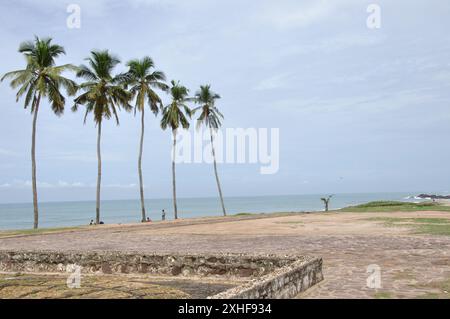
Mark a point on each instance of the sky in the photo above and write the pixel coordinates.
(358, 109)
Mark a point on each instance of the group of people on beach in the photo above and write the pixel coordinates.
(148, 220)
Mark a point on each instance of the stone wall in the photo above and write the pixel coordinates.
(270, 276)
(283, 283)
(237, 265)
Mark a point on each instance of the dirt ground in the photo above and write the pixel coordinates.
(411, 264)
(38, 286)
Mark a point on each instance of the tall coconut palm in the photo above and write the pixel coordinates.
(103, 96)
(211, 117)
(143, 79)
(41, 79)
(174, 116)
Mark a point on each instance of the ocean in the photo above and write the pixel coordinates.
(60, 214)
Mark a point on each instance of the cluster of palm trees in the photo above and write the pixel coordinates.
(104, 94)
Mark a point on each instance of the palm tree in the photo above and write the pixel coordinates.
(143, 79)
(326, 201)
(211, 117)
(174, 116)
(41, 79)
(103, 96)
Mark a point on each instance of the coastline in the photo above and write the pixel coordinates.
(397, 241)
(70, 214)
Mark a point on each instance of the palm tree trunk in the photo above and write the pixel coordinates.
(33, 164)
(215, 171)
(99, 175)
(175, 210)
(141, 182)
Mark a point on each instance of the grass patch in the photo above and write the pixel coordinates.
(404, 275)
(441, 230)
(393, 206)
(39, 231)
(383, 295)
(432, 220)
(37, 286)
(243, 214)
(273, 214)
(429, 226)
(389, 220)
(442, 287)
(431, 295)
(290, 222)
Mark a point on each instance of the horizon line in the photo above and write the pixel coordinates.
(412, 193)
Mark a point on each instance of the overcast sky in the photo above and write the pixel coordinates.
(358, 109)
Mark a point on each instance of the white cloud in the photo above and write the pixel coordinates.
(26, 184)
(85, 157)
(273, 82)
(5, 152)
(370, 103)
(99, 8)
(66, 184)
(18, 184)
(62, 184)
(443, 76)
(299, 14)
(120, 185)
(334, 44)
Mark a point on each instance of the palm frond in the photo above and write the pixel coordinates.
(103, 94)
(30, 95)
(175, 114)
(13, 74)
(210, 115)
(86, 73)
(41, 78)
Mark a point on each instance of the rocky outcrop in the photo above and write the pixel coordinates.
(432, 196)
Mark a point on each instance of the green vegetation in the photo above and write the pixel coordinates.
(383, 295)
(393, 206)
(274, 214)
(389, 221)
(432, 220)
(429, 226)
(442, 287)
(404, 274)
(243, 214)
(434, 229)
(39, 231)
(291, 223)
(44, 286)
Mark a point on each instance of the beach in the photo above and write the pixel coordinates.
(64, 214)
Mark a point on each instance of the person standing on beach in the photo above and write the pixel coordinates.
(163, 215)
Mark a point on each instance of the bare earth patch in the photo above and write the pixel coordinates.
(43, 286)
(413, 264)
